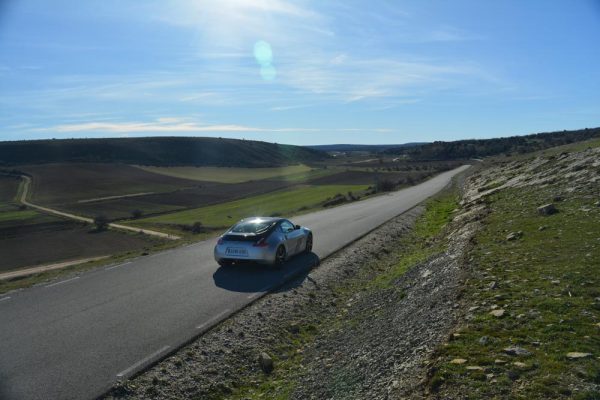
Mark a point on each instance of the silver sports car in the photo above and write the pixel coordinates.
(265, 240)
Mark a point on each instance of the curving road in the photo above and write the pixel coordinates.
(73, 339)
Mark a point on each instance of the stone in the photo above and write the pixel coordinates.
(517, 351)
(265, 362)
(493, 285)
(500, 361)
(547, 209)
(542, 228)
(484, 340)
(520, 364)
(575, 355)
(497, 313)
(514, 236)
(458, 361)
(474, 368)
(294, 328)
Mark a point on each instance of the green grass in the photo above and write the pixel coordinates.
(227, 175)
(410, 250)
(284, 202)
(549, 285)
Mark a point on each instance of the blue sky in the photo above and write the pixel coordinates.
(325, 71)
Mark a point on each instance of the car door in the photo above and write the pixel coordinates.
(293, 237)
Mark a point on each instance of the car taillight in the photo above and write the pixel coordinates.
(220, 241)
(261, 243)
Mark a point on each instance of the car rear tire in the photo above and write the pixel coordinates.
(280, 256)
(309, 244)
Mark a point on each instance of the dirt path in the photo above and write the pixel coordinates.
(123, 196)
(23, 200)
(47, 267)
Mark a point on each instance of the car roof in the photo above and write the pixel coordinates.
(266, 219)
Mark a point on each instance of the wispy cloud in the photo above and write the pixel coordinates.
(179, 125)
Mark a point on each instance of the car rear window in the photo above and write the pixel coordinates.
(252, 226)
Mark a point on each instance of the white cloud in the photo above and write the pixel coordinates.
(182, 125)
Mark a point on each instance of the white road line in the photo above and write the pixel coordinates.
(5, 298)
(213, 319)
(117, 266)
(142, 361)
(61, 282)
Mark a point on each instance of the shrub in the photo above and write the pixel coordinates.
(197, 227)
(101, 222)
(135, 214)
(385, 185)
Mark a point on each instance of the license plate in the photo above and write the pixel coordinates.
(237, 251)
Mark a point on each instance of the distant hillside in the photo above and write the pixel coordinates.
(461, 149)
(374, 148)
(160, 151)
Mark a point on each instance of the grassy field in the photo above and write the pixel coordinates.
(548, 283)
(286, 202)
(227, 175)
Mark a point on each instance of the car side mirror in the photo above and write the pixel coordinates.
(297, 227)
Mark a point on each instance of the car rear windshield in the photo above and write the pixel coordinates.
(253, 226)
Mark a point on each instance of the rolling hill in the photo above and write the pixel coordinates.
(462, 149)
(158, 151)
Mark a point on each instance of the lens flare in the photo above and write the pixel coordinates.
(263, 53)
(264, 57)
(268, 72)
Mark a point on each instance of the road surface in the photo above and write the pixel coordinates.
(73, 339)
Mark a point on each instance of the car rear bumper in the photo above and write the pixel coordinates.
(254, 254)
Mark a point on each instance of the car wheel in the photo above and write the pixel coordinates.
(280, 256)
(309, 243)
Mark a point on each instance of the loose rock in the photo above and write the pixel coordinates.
(517, 351)
(575, 355)
(265, 362)
(497, 313)
(547, 209)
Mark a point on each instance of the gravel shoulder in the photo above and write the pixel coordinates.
(361, 325)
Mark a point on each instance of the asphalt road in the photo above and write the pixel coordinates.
(73, 339)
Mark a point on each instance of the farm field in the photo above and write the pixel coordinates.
(284, 202)
(29, 238)
(227, 175)
(8, 189)
(64, 183)
(206, 194)
(60, 240)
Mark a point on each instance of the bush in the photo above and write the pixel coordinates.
(197, 227)
(135, 214)
(101, 222)
(385, 185)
